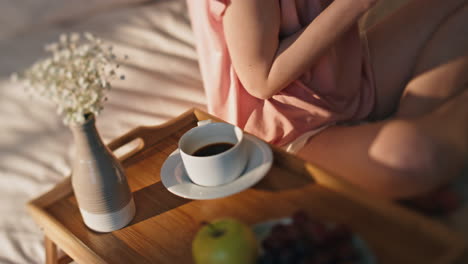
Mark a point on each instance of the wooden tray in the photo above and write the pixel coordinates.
(165, 224)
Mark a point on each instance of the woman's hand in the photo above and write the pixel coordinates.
(264, 64)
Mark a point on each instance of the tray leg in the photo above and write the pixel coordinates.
(51, 251)
(53, 254)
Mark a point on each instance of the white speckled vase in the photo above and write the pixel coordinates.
(99, 182)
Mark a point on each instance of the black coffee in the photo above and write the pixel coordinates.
(212, 149)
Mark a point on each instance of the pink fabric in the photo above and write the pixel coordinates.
(338, 88)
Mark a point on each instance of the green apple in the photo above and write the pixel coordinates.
(225, 241)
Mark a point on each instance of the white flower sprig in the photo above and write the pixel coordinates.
(76, 76)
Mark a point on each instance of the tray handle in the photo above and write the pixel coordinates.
(142, 137)
(135, 139)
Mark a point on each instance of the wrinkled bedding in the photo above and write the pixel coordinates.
(162, 81)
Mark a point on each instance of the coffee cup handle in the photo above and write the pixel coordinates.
(204, 122)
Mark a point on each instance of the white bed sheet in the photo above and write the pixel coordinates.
(162, 81)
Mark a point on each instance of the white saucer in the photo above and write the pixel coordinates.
(176, 180)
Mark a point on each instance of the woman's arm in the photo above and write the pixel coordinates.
(266, 65)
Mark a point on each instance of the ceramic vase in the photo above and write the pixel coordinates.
(99, 182)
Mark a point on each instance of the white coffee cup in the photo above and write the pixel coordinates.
(219, 168)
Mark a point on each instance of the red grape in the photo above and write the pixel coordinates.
(300, 218)
(307, 241)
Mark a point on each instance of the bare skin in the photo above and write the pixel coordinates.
(266, 65)
(399, 47)
(420, 59)
(425, 143)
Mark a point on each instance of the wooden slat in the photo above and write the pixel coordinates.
(63, 237)
(58, 192)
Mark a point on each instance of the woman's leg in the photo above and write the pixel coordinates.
(397, 158)
(426, 142)
(395, 45)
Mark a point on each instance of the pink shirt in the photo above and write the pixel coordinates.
(338, 88)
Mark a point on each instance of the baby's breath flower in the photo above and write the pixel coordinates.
(74, 37)
(63, 38)
(89, 36)
(75, 77)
